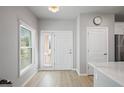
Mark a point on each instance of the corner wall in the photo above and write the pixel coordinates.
(78, 46)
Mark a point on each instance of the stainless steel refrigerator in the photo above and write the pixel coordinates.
(119, 47)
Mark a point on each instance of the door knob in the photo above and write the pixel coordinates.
(105, 53)
(70, 52)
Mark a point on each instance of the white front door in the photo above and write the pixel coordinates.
(63, 50)
(97, 45)
(56, 50)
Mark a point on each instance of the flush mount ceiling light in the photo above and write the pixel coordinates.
(53, 9)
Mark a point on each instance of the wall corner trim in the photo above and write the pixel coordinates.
(23, 85)
(80, 74)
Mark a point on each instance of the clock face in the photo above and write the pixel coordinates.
(97, 20)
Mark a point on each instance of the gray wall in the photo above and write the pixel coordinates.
(59, 25)
(9, 42)
(56, 25)
(86, 20)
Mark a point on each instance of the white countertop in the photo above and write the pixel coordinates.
(113, 70)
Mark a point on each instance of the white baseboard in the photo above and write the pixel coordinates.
(85, 74)
(29, 79)
(54, 69)
(74, 69)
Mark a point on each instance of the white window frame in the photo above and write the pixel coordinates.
(22, 71)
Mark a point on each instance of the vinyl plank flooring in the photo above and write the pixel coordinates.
(60, 79)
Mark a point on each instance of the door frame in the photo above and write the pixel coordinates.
(40, 59)
(87, 44)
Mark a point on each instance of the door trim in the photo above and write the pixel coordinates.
(43, 31)
(87, 47)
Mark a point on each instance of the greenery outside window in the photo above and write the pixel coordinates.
(25, 49)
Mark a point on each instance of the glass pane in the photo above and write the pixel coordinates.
(26, 57)
(47, 50)
(25, 37)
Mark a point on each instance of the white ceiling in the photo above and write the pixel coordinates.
(71, 12)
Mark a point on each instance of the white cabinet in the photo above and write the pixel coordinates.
(101, 80)
(119, 27)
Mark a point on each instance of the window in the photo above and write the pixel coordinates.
(25, 47)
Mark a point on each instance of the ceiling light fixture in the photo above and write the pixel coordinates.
(53, 9)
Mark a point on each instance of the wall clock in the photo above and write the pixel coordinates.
(97, 20)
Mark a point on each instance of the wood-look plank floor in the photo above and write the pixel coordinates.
(60, 79)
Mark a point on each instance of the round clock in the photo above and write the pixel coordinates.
(97, 20)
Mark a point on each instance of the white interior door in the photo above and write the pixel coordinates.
(97, 38)
(63, 50)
